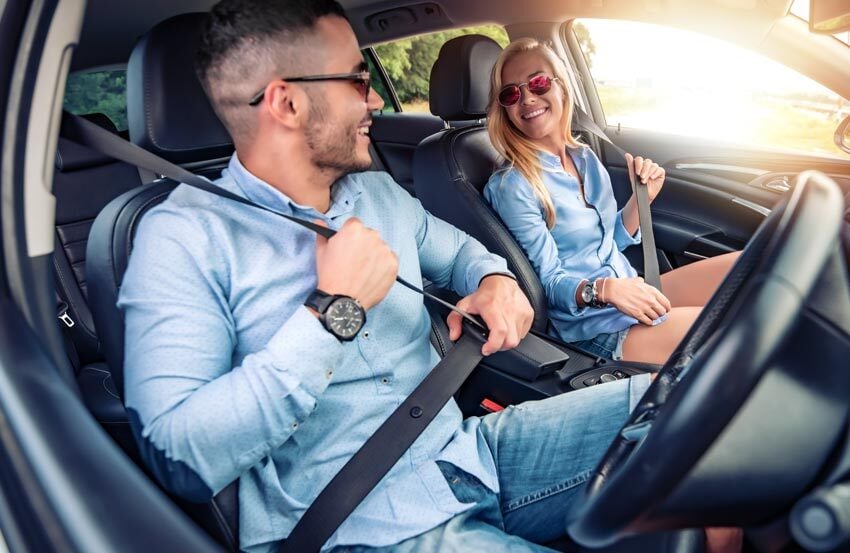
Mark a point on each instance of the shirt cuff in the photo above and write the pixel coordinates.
(480, 268)
(621, 234)
(305, 349)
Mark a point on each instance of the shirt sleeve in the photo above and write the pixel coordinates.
(449, 257)
(513, 199)
(199, 420)
(621, 234)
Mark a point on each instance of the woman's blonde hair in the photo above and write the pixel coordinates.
(517, 149)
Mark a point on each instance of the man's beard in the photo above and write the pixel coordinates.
(334, 147)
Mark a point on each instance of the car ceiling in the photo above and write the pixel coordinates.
(110, 28)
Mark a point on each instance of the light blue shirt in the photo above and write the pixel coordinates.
(229, 376)
(585, 243)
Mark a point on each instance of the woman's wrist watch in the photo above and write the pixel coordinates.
(590, 294)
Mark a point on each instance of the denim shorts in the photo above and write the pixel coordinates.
(609, 346)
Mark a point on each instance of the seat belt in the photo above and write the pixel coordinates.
(385, 447)
(651, 272)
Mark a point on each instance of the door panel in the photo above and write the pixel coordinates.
(395, 137)
(715, 194)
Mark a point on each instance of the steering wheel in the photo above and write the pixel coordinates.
(714, 370)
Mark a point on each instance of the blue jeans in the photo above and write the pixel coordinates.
(544, 451)
(609, 346)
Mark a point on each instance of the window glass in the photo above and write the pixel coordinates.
(378, 83)
(98, 92)
(800, 8)
(408, 62)
(675, 81)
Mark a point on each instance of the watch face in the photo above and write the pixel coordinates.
(345, 318)
(587, 293)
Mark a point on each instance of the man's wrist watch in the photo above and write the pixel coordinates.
(342, 316)
(590, 294)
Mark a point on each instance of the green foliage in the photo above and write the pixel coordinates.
(98, 92)
(408, 62)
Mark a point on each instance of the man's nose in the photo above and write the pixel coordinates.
(375, 102)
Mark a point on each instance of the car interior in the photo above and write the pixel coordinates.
(748, 423)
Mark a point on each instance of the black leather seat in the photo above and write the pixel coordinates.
(84, 182)
(451, 167)
(168, 114)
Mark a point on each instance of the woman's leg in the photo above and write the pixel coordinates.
(654, 344)
(694, 283)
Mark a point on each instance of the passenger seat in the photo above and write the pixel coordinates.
(451, 167)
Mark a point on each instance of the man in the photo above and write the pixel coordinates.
(229, 375)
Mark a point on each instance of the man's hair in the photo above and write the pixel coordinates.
(246, 41)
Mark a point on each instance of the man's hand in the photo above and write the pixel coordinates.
(504, 308)
(355, 262)
(649, 173)
(636, 298)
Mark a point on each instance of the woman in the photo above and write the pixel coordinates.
(555, 197)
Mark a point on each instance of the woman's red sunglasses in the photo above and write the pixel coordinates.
(537, 85)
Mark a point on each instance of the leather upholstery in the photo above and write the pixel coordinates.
(451, 167)
(167, 110)
(84, 182)
(459, 87)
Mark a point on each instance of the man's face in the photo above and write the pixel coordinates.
(340, 116)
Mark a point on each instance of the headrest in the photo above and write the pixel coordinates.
(167, 110)
(460, 79)
(71, 156)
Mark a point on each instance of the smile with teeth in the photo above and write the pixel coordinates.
(533, 114)
(363, 131)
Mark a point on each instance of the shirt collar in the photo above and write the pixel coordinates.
(344, 193)
(551, 162)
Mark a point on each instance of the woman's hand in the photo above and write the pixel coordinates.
(635, 298)
(649, 173)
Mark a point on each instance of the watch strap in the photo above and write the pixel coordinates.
(320, 301)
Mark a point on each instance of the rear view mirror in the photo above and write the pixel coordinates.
(829, 16)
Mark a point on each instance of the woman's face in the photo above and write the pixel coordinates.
(537, 117)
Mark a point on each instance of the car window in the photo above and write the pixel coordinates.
(408, 62)
(675, 81)
(379, 81)
(102, 91)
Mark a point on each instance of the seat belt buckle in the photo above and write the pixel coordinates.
(490, 406)
(473, 329)
(66, 318)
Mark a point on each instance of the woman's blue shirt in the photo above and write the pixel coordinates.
(585, 243)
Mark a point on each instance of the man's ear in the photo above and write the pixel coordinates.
(286, 103)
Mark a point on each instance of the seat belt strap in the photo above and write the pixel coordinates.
(651, 271)
(395, 436)
(385, 447)
(88, 134)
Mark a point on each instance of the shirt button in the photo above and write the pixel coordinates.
(294, 425)
(385, 380)
(329, 374)
(366, 334)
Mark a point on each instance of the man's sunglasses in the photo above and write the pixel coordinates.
(361, 79)
(538, 85)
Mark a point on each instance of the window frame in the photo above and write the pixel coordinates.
(375, 61)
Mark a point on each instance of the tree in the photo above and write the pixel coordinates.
(586, 43)
(408, 62)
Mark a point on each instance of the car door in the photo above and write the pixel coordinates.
(731, 134)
